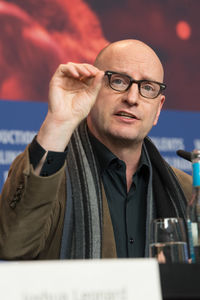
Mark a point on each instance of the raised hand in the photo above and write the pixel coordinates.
(72, 92)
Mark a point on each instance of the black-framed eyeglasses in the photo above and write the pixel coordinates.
(122, 82)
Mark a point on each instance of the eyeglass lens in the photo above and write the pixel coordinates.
(120, 82)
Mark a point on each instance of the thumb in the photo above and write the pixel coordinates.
(96, 83)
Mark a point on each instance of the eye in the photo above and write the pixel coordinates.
(148, 86)
(119, 81)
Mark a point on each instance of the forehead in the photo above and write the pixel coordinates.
(139, 62)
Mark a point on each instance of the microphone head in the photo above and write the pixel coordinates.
(184, 154)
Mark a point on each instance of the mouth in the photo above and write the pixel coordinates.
(126, 115)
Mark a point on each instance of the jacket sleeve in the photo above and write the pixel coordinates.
(185, 181)
(30, 210)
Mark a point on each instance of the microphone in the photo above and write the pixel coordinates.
(184, 154)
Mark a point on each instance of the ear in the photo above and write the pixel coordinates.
(162, 100)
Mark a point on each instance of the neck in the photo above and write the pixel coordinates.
(131, 157)
(127, 151)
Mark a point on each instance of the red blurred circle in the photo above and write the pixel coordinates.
(183, 30)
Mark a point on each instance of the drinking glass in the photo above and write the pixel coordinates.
(168, 240)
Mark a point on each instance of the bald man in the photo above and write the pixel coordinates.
(91, 181)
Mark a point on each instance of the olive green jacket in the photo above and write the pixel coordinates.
(32, 212)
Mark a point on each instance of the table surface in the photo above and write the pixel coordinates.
(180, 281)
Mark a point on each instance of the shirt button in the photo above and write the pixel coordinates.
(49, 160)
(13, 204)
(131, 240)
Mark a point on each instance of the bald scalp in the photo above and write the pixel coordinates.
(128, 46)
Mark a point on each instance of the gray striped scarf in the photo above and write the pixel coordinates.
(82, 232)
(82, 236)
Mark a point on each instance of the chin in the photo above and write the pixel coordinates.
(123, 138)
(125, 134)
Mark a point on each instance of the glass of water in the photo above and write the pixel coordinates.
(169, 240)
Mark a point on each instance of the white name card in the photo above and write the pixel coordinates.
(115, 279)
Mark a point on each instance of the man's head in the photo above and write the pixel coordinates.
(126, 117)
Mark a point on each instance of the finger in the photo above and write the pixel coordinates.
(77, 70)
(97, 82)
(92, 69)
(86, 70)
(69, 70)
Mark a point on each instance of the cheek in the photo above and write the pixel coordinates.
(102, 106)
(158, 109)
(97, 112)
(151, 115)
(156, 116)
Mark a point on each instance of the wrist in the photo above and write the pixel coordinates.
(55, 135)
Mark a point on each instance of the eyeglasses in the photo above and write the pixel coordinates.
(122, 82)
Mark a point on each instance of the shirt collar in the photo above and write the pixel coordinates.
(102, 153)
(105, 156)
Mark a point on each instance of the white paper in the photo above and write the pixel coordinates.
(112, 279)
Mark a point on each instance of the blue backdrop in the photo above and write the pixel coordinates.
(20, 121)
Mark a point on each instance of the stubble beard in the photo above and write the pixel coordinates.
(119, 140)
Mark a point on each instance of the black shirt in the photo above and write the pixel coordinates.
(127, 210)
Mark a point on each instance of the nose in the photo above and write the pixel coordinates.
(132, 95)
